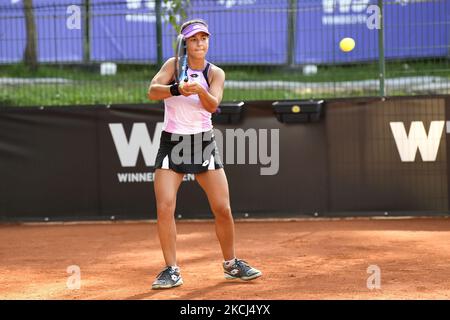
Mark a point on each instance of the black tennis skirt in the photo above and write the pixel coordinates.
(193, 153)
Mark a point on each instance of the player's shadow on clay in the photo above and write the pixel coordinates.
(201, 292)
(195, 294)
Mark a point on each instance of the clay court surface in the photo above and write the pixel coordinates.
(306, 259)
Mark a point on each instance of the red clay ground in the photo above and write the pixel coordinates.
(325, 259)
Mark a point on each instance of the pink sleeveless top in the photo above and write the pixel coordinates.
(186, 115)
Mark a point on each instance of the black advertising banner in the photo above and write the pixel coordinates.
(387, 155)
(363, 157)
(48, 163)
(129, 140)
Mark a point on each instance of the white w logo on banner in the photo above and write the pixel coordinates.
(417, 138)
(128, 151)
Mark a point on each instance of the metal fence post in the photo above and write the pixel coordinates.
(159, 53)
(86, 40)
(292, 19)
(381, 57)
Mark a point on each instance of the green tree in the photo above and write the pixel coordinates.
(30, 54)
(176, 8)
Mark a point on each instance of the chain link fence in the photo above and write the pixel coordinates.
(106, 52)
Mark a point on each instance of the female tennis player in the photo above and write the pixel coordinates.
(187, 120)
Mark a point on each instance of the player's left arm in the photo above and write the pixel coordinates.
(211, 98)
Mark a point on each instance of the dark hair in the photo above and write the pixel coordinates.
(188, 23)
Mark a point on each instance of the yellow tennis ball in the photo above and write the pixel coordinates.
(347, 44)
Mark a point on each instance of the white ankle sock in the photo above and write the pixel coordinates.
(230, 262)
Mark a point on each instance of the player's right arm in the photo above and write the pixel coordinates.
(159, 88)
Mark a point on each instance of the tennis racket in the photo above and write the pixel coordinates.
(180, 60)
